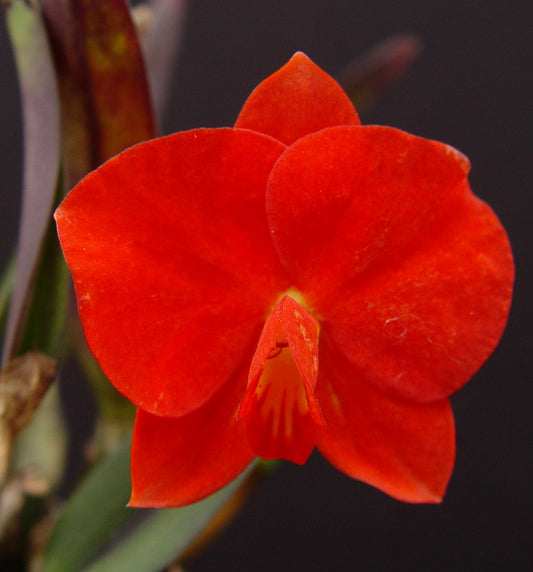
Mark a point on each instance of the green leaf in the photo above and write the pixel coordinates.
(46, 323)
(142, 540)
(6, 284)
(40, 108)
(164, 535)
(94, 513)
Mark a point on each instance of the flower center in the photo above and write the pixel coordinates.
(279, 407)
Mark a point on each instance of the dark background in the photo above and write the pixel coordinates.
(471, 88)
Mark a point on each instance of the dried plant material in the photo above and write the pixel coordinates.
(23, 384)
(11, 503)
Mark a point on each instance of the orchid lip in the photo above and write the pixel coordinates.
(280, 407)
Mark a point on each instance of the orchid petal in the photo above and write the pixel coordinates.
(406, 450)
(408, 272)
(173, 264)
(298, 99)
(178, 461)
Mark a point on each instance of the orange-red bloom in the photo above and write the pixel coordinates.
(298, 280)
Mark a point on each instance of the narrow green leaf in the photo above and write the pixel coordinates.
(95, 512)
(46, 322)
(6, 284)
(164, 535)
(40, 110)
(147, 539)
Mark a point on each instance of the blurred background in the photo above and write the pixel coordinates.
(472, 88)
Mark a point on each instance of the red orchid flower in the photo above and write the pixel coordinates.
(298, 280)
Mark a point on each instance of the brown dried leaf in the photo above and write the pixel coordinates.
(23, 384)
